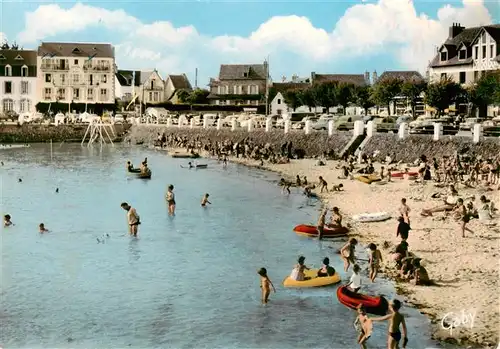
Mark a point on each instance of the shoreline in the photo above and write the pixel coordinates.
(455, 290)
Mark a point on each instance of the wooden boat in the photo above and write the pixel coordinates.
(373, 305)
(312, 231)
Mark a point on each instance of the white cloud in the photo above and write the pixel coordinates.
(3, 38)
(388, 26)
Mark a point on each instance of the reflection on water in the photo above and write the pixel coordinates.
(187, 281)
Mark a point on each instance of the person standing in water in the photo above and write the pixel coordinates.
(265, 285)
(374, 261)
(347, 253)
(7, 221)
(42, 229)
(171, 200)
(396, 319)
(132, 219)
(321, 223)
(205, 201)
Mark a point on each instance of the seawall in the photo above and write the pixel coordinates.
(411, 147)
(36, 133)
(313, 144)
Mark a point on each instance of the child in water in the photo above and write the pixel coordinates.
(205, 201)
(265, 285)
(170, 197)
(363, 325)
(42, 228)
(347, 253)
(375, 260)
(6, 221)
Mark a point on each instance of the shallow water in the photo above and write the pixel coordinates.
(187, 282)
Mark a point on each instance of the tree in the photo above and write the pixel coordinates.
(292, 98)
(385, 90)
(363, 97)
(412, 91)
(485, 92)
(440, 95)
(198, 96)
(326, 94)
(344, 94)
(309, 98)
(184, 96)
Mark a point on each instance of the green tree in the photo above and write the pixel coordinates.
(198, 96)
(363, 97)
(326, 94)
(485, 92)
(385, 90)
(292, 98)
(309, 98)
(440, 95)
(412, 90)
(344, 94)
(184, 96)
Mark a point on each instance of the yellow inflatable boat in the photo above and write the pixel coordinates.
(368, 179)
(314, 280)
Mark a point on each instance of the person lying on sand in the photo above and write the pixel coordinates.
(338, 187)
(449, 203)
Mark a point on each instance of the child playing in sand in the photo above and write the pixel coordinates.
(205, 201)
(338, 187)
(355, 282)
(323, 184)
(6, 221)
(363, 325)
(347, 253)
(265, 285)
(374, 261)
(420, 275)
(42, 229)
(396, 319)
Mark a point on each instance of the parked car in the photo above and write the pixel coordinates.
(468, 124)
(385, 124)
(323, 121)
(346, 122)
(448, 129)
(403, 118)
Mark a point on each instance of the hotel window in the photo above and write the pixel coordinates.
(24, 87)
(104, 94)
(24, 71)
(7, 87)
(8, 70)
(444, 56)
(61, 94)
(48, 78)
(76, 62)
(8, 104)
(484, 52)
(63, 79)
(90, 94)
(476, 52)
(76, 93)
(492, 51)
(462, 77)
(150, 96)
(462, 54)
(48, 93)
(25, 106)
(76, 78)
(104, 78)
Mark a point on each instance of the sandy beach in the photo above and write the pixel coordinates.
(465, 269)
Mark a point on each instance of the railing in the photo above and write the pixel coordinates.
(97, 68)
(53, 67)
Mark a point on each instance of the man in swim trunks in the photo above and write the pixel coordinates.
(396, 319)
(132, 219)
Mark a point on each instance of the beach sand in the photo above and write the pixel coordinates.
(465, 269)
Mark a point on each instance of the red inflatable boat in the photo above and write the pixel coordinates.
(402, 174)
(311, 230)
(373, 305)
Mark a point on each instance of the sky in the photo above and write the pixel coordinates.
(297, 37)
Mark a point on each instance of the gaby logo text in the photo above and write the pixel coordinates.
(456, 319)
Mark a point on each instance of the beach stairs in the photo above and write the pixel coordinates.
(353, 145)
(359, 150)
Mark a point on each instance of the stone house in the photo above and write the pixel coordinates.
(239, 84)
(174, 84)
(278, 105)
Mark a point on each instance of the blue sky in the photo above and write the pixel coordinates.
(298, 37)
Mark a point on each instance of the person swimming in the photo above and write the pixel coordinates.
(190, 164)
(42, 229)
(205, 201)
(7, 221)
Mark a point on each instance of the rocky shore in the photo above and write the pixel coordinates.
(410, 148)
(35, 133)
(313, 144)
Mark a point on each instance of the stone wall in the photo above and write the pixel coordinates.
(314, 144)
(35, 133)
(410, 148)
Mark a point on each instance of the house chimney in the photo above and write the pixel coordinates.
(455, 30)
(374, 77)
(367, 77)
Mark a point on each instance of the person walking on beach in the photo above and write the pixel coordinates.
(265, 285)
(403, 229)
(396, 319)
(404, 211)
(170, 200)
(133, 219)
(347, 253)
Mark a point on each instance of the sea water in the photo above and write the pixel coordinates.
(188, 281)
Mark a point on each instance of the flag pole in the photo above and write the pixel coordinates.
(267, 86)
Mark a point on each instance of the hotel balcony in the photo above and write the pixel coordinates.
(104, 68)
(54, 67)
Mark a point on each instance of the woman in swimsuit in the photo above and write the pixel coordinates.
(298, 271)
(375, 260)
(171, 200)
(347, 253)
